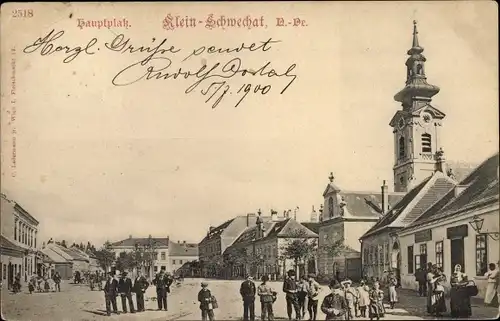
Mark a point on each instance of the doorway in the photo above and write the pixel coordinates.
(457, 253)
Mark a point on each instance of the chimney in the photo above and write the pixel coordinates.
(211, 228)
(274, 215)
(184, 242)
(249, 219)
(130, 236)
(178, 242)
(385, 197)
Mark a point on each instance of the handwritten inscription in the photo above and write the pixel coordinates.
(162, 60)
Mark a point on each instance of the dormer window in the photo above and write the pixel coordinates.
(426, 143)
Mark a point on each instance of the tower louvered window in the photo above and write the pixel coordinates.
(402, 150)
(426, 143)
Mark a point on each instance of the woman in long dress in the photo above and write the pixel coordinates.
(376, 302)
(438, 300)
(492, 277)
(459, 298)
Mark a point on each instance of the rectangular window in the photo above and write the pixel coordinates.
(386, 253)
(380, 255)
(417, 262)
(375, 259)
(481, 254)
(365, 256)
(439, 255)
(15, 231)
(163, 256)
(173, 261)
(180, 261)
(4, 271)
(156, 268)
(156, 256)
(423, 248)
(410, 259)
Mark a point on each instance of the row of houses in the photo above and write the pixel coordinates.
(66, 261)
(169, 255)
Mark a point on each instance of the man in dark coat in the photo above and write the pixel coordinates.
(140, 286)
(162, 283)
(248, 291)
(125, 289)
(420, 276)
(110, 293)
(290, 288)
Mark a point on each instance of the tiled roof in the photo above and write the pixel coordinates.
(366, 204)
(218, 230)
(251, 232)
(76, 255)
(393, 214)
(288, 228)
(53, 256)
(183, 249)
(5, 243)
(130, 242)
(482, 187)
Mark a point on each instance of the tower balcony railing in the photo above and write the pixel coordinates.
(427, 156)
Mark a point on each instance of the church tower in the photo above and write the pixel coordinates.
(416, 126)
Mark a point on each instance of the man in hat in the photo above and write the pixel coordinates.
(334, 305)
(247, 291)
(290, 288)
(125, 289)
(110, 293)
(161, 289)
(206, 304)
(140, 287)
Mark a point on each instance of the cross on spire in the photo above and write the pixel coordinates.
(331, 177)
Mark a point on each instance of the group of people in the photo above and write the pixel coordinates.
(461, 290)
(124, 287)
(44, 283)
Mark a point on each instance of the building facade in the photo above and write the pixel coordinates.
(157, 245)
(181, 253)
(219, 238)
(18, 228)
(461, 228)
(347, 215)
(260, 249)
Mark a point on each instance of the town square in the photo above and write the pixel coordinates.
(379, 202)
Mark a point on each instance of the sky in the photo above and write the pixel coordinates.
(99, 162)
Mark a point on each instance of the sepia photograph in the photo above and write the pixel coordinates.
(301, 160)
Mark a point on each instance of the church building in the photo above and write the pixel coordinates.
(419, 166)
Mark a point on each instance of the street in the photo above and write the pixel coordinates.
(77, 302)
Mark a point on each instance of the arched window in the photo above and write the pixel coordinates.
(419, 69)
(426, 143)
(330, 206)
(401, 146)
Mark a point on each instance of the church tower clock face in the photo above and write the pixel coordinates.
(426, 117)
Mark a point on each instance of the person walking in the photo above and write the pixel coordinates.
(205, 299)
(267, 298)
(140, 287)
(312, 303)
(351, 296)
(302, 292)
(125, 289)
(57, 280)
(430, 275)
(110, 293)
(247, 292)
(334, 305)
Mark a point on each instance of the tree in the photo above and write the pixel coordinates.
(63, 243)
(300, 248)
(127, 261)
(105, 257)
(334, 249)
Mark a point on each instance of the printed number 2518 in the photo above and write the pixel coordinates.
(22, 13)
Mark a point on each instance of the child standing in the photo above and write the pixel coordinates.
(351, 296)
(334, 304)
(302, 292)
(364, 298)
(392, 283)
(205, 299)
(376, 302)
(267, 297)
(312, 305)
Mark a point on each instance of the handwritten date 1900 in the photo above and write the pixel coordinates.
(244, 90)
